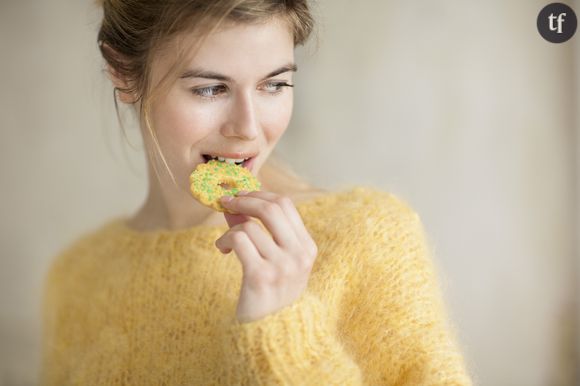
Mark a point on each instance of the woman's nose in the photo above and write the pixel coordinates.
(243, 120)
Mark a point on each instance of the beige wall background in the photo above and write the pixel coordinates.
(460, 107)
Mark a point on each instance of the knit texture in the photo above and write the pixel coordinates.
(123, 307)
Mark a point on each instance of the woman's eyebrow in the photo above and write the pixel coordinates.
(197, 73)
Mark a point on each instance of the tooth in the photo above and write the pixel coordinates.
(229, 160)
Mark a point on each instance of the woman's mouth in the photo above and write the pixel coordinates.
(244, 162)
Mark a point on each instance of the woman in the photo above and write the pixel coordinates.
(323, 288)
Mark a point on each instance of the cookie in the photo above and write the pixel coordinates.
(214, 179)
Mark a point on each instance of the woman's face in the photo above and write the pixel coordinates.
(232, 100)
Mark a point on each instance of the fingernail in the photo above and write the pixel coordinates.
(242, 192)
(226, 199)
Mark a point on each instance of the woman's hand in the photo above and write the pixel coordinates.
(276, 265)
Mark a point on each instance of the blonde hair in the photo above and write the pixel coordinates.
(133, 32)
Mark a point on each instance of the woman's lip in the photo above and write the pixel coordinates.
(235, 155)
(249, 163)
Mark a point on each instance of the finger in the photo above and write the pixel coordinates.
(271, 215)
(260, 238)
(289, 209)
(235, 219)
(239, 242)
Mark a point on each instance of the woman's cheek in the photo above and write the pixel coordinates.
(189, 124)
(278, 120)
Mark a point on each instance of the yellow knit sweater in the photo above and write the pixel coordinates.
(123, 307)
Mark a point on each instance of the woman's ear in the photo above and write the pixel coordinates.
(119, 82)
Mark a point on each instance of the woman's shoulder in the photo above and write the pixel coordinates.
(362, 227)
(84, 245)
(358, 201)
(359, 212)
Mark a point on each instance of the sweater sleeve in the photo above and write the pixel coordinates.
(393, 329)
(399, 329)
(294, 346)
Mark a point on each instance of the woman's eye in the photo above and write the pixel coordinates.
(210, 91)
(275, 87)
